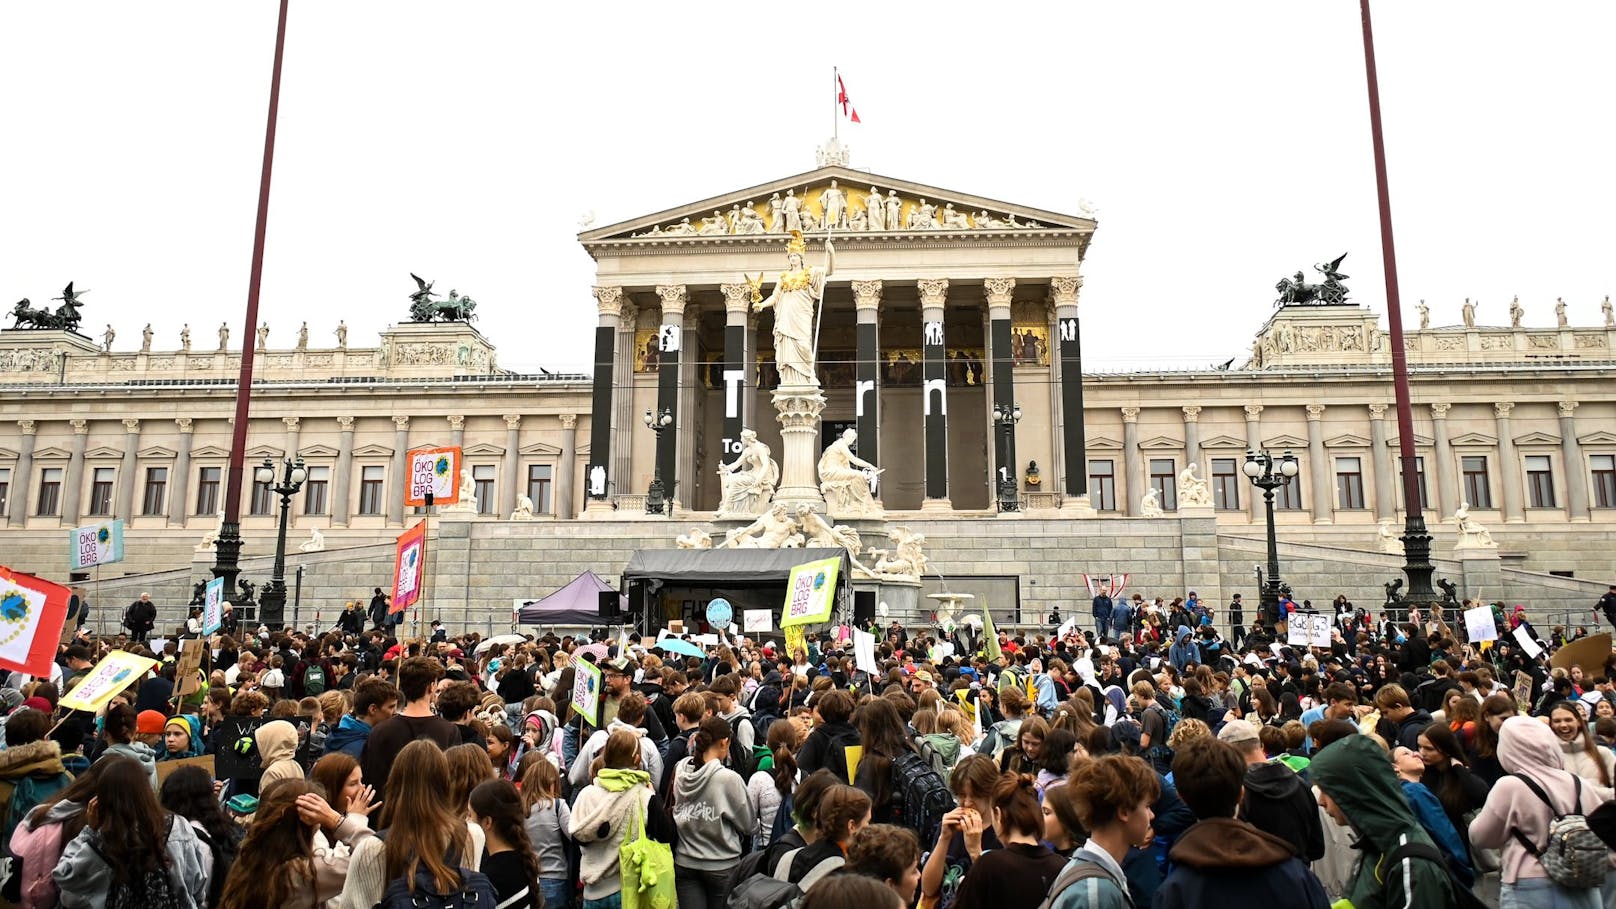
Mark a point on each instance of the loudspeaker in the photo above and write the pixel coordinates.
(611, 605)
(863, 607)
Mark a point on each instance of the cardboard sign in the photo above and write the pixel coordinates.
(116, 671)
(166, 768)
(95, 544)
(756, 620)
(864, 651)
(1479, 624)
(409, 568)
(811, 593)
(1523, 690)
(33, 612)
(229, 764)
(1524, 638)
(213, 606)
(795, 640)
(1308, 629)
(586, 685)
(435, 471)
(188, 669)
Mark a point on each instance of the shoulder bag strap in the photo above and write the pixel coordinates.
(820, 870)
(782, 869)
(1544, 796)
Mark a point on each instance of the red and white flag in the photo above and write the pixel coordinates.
(32, 613)
(848, 110)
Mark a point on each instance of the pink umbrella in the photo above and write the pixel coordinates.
(598, 650)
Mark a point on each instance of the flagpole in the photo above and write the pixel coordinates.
(835, 102)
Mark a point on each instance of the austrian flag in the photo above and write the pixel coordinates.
(848, 110)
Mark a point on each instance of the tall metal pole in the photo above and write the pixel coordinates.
(228, 548)
(1416, 539)
(1270, 593)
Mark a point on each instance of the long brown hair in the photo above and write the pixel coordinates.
(132, 827)
(469, 766)
(332, 772)
(498, 802)
(423, 828)
(277, 850)
(541, 785)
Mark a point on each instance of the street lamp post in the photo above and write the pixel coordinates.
(272, 601)
(1006, 417)
(1268, 474)
(656, 497)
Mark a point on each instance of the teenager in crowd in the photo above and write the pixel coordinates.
(1022, 870)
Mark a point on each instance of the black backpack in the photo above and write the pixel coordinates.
(150, 889)
(476, 892)
(837, 743)
(1463, 897)
(777, 890)
(740, 757)
(924, 795)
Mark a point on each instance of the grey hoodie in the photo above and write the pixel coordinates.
(713, 815)
(141, 752)
(84, 879)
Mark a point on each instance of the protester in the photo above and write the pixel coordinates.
(279, 862)
(889, 854)
(620, 799)
(770, 786)
(188, 793)
(713, 817)
(1596, 766)
(1113, 796)
(1021, 871)
(966, 832)
(510, 862)
(130, 852)
(547, 817)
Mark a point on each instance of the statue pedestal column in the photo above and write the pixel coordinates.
(1077, 507)
(799, 407)
(599, 510)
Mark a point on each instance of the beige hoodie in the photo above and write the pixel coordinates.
(277, 749)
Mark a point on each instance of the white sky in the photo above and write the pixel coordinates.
(1225, 144)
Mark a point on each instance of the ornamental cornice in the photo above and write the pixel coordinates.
(675, 297)
(866, 294)
(608, 300)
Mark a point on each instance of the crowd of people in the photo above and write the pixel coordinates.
(1146, 761)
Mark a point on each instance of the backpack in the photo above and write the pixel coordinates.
(925, 796)
(1127, 733)
(741, 759)
(836, 751)
(151, 889)
(224, 856)
(1574, 857)
(28, 793)
(934, 759)
(1463, 897)
(1159, 755)
(1079, 870)
(476, 892)
(776, 891)
(314, 680)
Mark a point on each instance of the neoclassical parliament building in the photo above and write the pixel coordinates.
(944, 311)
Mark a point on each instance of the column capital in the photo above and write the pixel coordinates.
(737, 298)
(1063, 289)
(131, 426)
(569, 421)
(1130, 414)
(401, 423)
(1315, 412)
(456, 422)
(999, 290)
(345, 424)
(1439, 411)
(80, 427)
(1253, 411)
(933, 291)
(513, 420)
(1566, 407)
(866, 295)
(1501, 409)
(291, 422)
(1377, 411)
(1192, 413)
(674, 299)
(608, 300)
(28, 427)
(185, 424)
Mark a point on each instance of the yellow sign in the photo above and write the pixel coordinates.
(795, 641)
(117, 671)
(811, 593)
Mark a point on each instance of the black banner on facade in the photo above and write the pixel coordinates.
(1004, 399)
(668, 346)
(936, 410)
(734, 385)
(1071, 359)
(867, 393)
(600, 415)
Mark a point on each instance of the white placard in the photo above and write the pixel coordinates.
(1308, 629)
(864, 651)
(704, 640)
(1479, 624)
(1524, 638)
(1067, 627)
(757, 620)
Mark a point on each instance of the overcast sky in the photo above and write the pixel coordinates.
(1225, 145)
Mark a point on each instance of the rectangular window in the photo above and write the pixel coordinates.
(1349, 483)
(370, 489)
(538, 487)
(207, 490)
(50, 492)
(1539, 481)
(1604, 470)
(482, 484)
(151, 503)
(314, 490)
(101, 491)
(1164, 479)
(1289, 496)
(263, 500)
(1103, 485)
(1226, 484)
(1419, 478)
(5, 488)
(1477, 491)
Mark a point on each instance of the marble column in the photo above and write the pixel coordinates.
(1509, 466)
(737, 381)
(1192, 440)
(999, 292)
(675, 297)
(73, 486)
(396, 475)
(292, 434)
(607, 388)
(566, 471)
(1447, 479)
(1576, 472)
(687, 492)
(512, 466)
(1254, 499)
(934, 357)
(867, 391)
(1135, 483)
(179, 485)
(1072, 460)
(1380, 457)
(457, 431)
(23, 476)
(1323, 500)
(342, 474)
(125, 507)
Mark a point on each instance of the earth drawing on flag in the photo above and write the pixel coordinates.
(14, 611)
(441, 468)
(819, 580)
(103, 535)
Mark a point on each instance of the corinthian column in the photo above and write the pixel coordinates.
(566, 470)
(867, 393)
(342, 474)
(126, 470)
(1509, 467)
(670, 344)
(178, 496)
(1254, 443)
(608, 385)
(1133, 464)
(74, 485)
(1381, 459)
(512, 467)
(397, 478)
(1447, 482)
(1576, 473)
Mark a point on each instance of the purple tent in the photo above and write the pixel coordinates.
(578, 603)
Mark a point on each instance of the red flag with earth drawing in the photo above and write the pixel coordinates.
(32, 613)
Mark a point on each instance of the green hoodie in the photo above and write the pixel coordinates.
(617, 780)
(1356, 773)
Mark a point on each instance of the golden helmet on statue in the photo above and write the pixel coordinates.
(796, 244)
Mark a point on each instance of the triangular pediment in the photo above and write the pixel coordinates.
(259, 452)
(7, 454)
(210, 451)
(1101, 443)
(1284, 441)
(316, 451)
(102, 452)
(539, 448)
(483, 449)
(1419, 441)
(373, 451)
(1224, 442)
(1593, 438)
(1161, 443)
(156, 452)
(1347, 440)
(975, 215)
(1537, 438)
(1479, 439)
(51, 452)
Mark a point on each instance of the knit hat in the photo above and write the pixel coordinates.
(150, 722)
(173, 721)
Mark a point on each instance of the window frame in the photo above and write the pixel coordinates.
(541, 502)
(99, 503)
(54, 488)
(372, 492)
(317, 504)
(1103, 487)
(154, 485)
(1603, 480)
(485, 488)
(1349, 485)
(1226, 486)
(208, 492)
(1473, 482)
(1165, 484)
(1539, 483)
(5, 490)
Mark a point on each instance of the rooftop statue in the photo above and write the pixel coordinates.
(65, 318)
(425, 309)
(1296, 291)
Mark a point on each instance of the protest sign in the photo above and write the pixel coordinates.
(1308, 629)
(116, 671)
(1479, 624)
(32, 613)
(864, 651)
(795, 640)
(810, 593)
(1524, 638)
(234, 756)
(409, 568)
(719, 612)
(586, 687)
(213, 606)
(435, 471)
(188, 669)
(95, 544)
(1523, 690)
(756, 620)
(166, 768)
